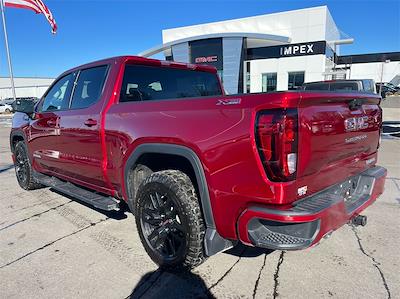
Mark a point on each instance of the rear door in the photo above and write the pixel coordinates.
(80, 144)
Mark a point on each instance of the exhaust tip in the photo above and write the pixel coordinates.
(359, 220)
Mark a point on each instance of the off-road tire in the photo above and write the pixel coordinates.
(180, 189)
(22, 160)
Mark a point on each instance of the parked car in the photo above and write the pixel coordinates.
(389, 85)
(22, 102)
(387, 89)
(364, 85)
(200, 170)
(10, 101)
(4, 108)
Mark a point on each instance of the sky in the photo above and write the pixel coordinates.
(94, 29)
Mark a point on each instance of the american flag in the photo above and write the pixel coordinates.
(37, 6)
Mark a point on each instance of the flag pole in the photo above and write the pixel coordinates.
(8, 50)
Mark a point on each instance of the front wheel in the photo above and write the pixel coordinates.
(23, 168)
(169, 220)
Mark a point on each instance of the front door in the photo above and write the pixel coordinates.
(44, 129)
(81, 154)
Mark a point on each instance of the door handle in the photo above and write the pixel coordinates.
(90, 122)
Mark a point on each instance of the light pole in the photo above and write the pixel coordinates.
(7, 50)
(380, 85)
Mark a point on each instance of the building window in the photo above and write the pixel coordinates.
(268, 82)
(296, 80)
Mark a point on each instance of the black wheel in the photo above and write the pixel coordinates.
(23, 168)
(169, 220)
(8, 111)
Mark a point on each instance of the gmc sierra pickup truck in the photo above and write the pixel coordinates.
(200, 170)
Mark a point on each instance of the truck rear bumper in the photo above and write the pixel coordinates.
(310, 219)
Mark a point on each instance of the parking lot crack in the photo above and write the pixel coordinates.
(259, 276)
(227, 272)
(276, 274)
(53, 242)
(33, 205)
(35, 215)
(375, 263)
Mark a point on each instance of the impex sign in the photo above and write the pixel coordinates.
(303, 49)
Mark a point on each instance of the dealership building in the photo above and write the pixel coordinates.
(24, 87)
(278, 51)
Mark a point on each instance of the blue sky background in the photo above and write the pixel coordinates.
(90, 29)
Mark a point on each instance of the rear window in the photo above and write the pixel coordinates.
(316, 86)
(344, 86)
(144, 83)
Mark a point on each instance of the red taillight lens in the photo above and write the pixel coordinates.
(277, 138)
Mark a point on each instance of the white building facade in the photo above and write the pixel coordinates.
(24, 87)
(278, 51)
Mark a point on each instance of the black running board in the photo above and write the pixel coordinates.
(99, 201)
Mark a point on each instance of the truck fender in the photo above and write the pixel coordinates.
(214, 243)
(19, 135)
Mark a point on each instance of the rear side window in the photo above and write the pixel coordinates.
(144, 83)
(89, 87)
(316, 86)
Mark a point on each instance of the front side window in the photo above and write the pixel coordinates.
(58, 96)
(144, 83)
(89, 87)
(296, 80)
(268, 82)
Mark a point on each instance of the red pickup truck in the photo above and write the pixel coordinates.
(199, 169)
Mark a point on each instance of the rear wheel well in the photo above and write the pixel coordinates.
(15, 140)
(153, 162)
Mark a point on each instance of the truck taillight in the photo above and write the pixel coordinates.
(277, 139)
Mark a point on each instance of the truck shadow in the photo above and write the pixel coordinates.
(241, 250)
(163, 284)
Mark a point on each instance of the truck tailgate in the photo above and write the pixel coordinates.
(338, 137)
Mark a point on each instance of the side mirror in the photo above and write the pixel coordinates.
(24, 106)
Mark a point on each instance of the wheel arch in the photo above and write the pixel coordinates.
(214, 243)
(16, 136)
(175, 150)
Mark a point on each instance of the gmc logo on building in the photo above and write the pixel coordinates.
(206, 59)
(297, 50)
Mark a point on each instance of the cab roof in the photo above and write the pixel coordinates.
(129, 59)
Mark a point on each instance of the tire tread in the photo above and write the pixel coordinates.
(181, 185)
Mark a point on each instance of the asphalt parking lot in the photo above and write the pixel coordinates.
(51, 246)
